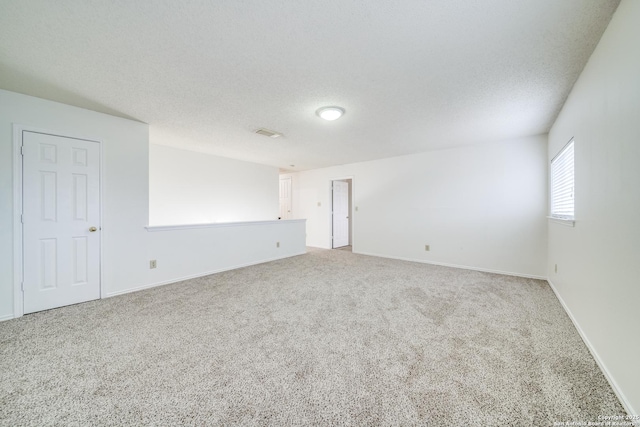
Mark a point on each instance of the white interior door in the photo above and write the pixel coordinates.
(61, 221)
(285, 198)
(340, 214)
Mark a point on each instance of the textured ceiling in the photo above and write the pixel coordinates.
(413, 75)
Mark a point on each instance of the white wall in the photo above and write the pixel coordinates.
(480, 206)
(183, 253)
(186, 187)
(125, 186)
(127, 245)
(598, 261)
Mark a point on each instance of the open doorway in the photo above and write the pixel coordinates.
(341, 218)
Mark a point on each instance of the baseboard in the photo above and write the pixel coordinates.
(194, 276)
(6, 317)
(464, 267)
(623, 400)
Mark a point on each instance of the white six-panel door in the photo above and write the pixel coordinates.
(285, 198)
(340, 214)
(61, 221)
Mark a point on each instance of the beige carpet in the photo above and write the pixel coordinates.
(326, 338)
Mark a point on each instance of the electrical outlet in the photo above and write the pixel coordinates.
(319, 204)
(153, 263)
(356, 209)
(427, 248)
(556, 268)
(277, 244)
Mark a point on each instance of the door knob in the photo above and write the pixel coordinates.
(92, 229)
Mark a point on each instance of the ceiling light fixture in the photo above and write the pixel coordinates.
(330, 113)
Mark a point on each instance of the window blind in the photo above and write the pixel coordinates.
(562, 183)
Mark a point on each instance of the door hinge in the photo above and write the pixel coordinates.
(22, 218)
(22, 286)
(22, 150)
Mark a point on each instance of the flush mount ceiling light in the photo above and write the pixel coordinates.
(330, 113)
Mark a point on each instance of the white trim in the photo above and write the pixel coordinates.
(563, 221)
(18, 300)
(154, 228)
(18, 262)
(100, 221)
(6, 317)
(464, 267)
(193, 276)
(623, 399)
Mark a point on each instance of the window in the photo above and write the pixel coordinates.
(562, 183)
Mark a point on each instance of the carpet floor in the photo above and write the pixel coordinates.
(325, 338)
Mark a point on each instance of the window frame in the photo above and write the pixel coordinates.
(560, 161)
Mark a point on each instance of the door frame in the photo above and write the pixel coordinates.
(290, 194)
(351, 210)
(18, 261)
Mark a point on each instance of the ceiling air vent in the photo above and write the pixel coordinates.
(267, 132)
